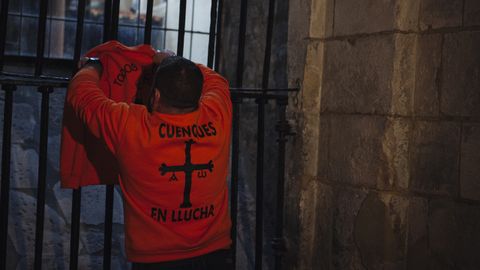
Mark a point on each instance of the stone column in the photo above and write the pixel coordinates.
(309, 23)
(387, 120)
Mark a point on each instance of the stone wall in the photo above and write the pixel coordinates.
(385, 173)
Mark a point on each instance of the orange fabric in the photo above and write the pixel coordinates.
(159, 156)
(84, 159)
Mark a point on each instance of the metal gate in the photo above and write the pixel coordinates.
(47, 84)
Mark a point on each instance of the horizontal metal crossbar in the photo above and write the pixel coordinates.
(62, 82)
(25, 80)
(254, 90)
(96, 22)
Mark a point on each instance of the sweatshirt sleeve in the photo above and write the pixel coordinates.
(216, 93)
(105, 118)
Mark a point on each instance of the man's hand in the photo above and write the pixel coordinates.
(145, 81)
(160, 55)
(91, 62)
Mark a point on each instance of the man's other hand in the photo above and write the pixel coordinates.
(91, 62)
(160, 55)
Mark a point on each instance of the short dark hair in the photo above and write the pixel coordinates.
(180, 82)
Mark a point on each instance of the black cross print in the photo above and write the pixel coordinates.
(188, 169)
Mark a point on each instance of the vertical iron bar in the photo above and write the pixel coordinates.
(77, 193)
(147, 37)
(42, 175)
(75, 228)
(79, 32)
(19, 48)
(42, 25)
(49, 38)
(211, 38)
(107, 239)
(191, 30)
(137, 32)
(112, 20)
(3, 30)
(181, 27)
(241, 42)
(219, 35)
(165, 25)
(234, 172)
(107, 20)
(6, 154)
(261, 140)
(259, 192)
(268, 45)
(283, 130)
(236, 128)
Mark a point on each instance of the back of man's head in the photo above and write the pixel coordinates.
(179, 81)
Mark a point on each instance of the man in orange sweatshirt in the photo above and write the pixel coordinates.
(173, 154)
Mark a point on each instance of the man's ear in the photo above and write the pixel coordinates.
(155, 100)
(157, 95)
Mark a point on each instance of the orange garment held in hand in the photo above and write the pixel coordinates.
(84, 159)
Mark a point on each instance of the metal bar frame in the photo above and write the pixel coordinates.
(239, 94)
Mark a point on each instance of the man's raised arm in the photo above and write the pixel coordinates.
(215, 91)
(105, 118)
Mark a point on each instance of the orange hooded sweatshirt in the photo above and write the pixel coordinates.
(173, 168)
